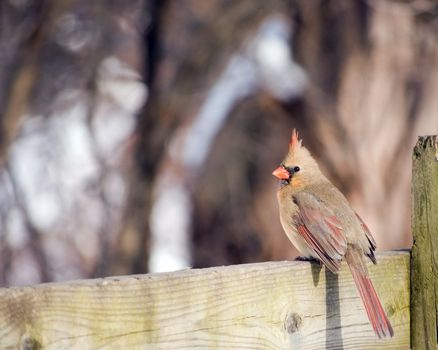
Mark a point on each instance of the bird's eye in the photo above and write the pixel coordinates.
(296, 169)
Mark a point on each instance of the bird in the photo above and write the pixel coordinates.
(319, 221)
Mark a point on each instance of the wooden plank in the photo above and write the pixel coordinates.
(273, 305)
(424, 261)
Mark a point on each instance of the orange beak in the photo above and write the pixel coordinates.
(281, 173)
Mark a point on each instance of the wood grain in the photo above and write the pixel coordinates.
(424, 263)
(273, 305)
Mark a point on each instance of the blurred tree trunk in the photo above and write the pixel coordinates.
(20, 24)
(61, 60)
(194, 43)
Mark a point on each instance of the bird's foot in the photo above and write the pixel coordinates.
(307, 258)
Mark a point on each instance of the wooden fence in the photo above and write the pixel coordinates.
(273, 305)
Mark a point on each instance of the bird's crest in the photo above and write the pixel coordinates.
(294, 143)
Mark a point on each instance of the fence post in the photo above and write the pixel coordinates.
(424, 257)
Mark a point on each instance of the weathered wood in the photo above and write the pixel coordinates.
(424, 258)
(274, 305)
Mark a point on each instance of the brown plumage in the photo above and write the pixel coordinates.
(319, 221)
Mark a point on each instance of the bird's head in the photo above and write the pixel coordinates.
(298, 168)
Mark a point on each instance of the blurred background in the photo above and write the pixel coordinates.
(140, 136)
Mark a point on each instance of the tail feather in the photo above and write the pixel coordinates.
(376, 314)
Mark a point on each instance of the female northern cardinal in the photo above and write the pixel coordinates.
(319, 221)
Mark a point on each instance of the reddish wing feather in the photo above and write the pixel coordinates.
(370, 238)
(367, 232)
(332, 264)
(321, 230)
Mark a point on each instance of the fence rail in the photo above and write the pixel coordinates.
(273, 305)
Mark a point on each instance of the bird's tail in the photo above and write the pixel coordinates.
(376, 314)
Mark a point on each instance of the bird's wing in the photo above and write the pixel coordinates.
(321, 229)
(371, 241)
